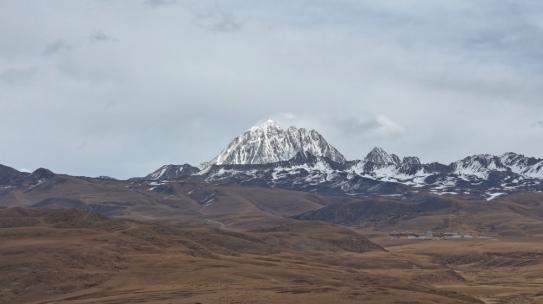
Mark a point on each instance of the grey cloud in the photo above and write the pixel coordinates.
(215, 19)
(434, 79)
(354, 126)
(102, 37)
(18, 76)
(56, 47)
(158, 3)
(538, 124)
(379, 126)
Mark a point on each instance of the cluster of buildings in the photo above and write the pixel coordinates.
(430, 235)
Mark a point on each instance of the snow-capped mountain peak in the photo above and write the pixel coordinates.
(526, 166)
(482, 165)
(378, 157)
(478, 165)
(411, 160)
(172, 172)
(410, 165)
(267, 124)
(301, 159)
(268, 142)
(380, 165)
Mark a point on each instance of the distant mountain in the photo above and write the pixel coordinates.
(299, 159)
(172, 172)
(380, 173)
(10, 177)
(269, 143)
(381, 165)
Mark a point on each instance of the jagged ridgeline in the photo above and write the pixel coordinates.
(269, 143)
(302, 159)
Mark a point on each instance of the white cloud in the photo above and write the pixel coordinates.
(387, 126)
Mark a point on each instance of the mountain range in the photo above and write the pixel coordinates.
(281, 213)
(300, 159)
(269, 156)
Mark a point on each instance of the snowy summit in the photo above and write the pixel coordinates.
(268, 142)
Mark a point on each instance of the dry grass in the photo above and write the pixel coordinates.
(76, 257)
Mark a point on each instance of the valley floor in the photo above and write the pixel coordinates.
(72, 258)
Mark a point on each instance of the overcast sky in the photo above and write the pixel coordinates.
(118, 88)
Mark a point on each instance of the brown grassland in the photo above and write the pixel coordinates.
(73, 256)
